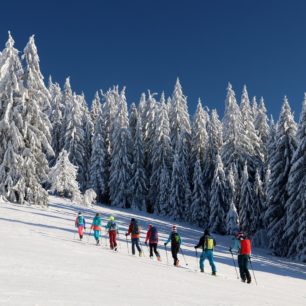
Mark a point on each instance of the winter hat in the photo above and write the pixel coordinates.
(174, 228)
(97, 214)
(150, 226)
(206, 232)
(111, 218)
(80, 213)
(133, 220)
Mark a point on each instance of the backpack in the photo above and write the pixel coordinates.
(210, 243)
(175, 239)
(135, 230)
(153, 236)
(112, 226)
(80, 220)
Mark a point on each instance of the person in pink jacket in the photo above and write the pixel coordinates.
(152, 237)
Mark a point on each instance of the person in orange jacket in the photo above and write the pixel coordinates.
(134, 231)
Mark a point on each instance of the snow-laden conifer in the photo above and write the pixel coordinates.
(62, 178)
(219, 205)
(120, 170)
(280, 164)
(95, 108)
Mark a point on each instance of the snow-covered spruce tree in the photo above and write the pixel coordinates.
(234, 136)
(34, 79)
(296, 191)
(232, 220)
(62, 178)
(180, 188)
(199, 136)
(74, 138)
(262, 127)
(11, 124)
(248, 215)
(213, 149)
(178, 116)
(95, 108)
(138, 183)
(109, 113)
(219, 205)
(36, 111)
(199, 208)
(97, 162)
(161, 162)
(280, 164)
(120, 170)
(250, 141)
(88, 129)
(133, 121)
(56, 118)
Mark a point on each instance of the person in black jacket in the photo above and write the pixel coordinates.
(207, 243)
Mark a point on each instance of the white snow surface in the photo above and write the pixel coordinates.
(43, 263)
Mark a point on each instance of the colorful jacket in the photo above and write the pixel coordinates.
(82, 223)
(96, 224)
(108, 226)
(206, 244)
(170, 239)
(149, 236)
(130, 231)
(236, 246)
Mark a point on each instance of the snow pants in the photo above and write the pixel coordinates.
(174, 250)
(97, 235)
(243, 263)
(210, 256)
(112, 239)
(153, 247)
(135, 242)
(81, 231)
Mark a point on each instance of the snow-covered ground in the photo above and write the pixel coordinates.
(43, 263)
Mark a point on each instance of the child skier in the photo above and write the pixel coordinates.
(96, 226)
(176, 242)
(80, 224)
(152, 237)
(112, 229)
(134, 230)
(242, 245)
(207, 243)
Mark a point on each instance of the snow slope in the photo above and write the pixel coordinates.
(42, 264)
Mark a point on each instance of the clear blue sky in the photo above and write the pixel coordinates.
(146, 44)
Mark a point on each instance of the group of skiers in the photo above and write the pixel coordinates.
(241, 243)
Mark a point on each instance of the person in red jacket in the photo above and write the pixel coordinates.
(134, 231)
(242, 245)
(152, 237)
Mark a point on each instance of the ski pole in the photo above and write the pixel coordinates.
(234, 264)
(253, 270)
(197, 262)
(184, 257)
(166, 255)
(127, 244)
(106, 239)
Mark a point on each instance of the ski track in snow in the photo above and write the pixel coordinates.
(42, 263)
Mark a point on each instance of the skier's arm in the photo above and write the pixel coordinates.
(201, 242)
(76, 223)
(84, 223)
(235, 245)
(107, 226)
(169, 239)
(129, 230)
(148, 235)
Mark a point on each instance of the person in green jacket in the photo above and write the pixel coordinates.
(96, 227)
(112, 229)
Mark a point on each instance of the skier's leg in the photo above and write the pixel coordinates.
(133, 246)
(202, 258)
(210, 256)
(241, 268)
(111, 239)
(151, 249)
(155, 250)
(115, 239)
(137, 244)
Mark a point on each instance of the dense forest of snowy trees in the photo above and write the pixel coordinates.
(243, 171)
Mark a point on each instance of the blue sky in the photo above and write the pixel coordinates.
(147, 44)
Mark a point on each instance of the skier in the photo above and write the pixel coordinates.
(242, 245)
(96, 226)
(80, 224)
(112, 229)
(152, 237)
(176, 242)
(207, 243)
(134, 230)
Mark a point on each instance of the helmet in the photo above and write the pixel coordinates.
(111, 218)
